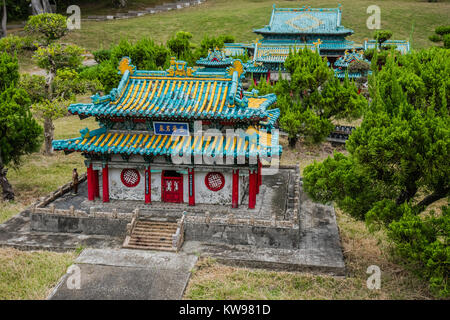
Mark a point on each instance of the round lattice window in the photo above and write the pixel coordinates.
(214, 181)
(130, 177)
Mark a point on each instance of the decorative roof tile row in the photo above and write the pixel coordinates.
(305, 20)
(178, 94)
(144, 143)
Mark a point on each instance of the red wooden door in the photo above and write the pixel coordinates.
(172, 189)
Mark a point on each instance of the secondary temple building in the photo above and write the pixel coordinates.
(293, 29)
(178, 136)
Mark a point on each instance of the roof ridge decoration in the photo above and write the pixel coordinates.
(179, 68)
(125, 64)
(215, 58)
(178, 94)
(305, 20)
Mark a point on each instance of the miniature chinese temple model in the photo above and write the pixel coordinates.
(399, 45)
(216, 61)
(341, 65)
(169, 136)
(295, 28)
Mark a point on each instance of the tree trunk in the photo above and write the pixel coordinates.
(46, 6)
(292, 142)
(49, 130)
(435, 196)
(41, 6)
(8, 193)
(37, 7)
(4, 20)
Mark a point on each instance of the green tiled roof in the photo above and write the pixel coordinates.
(305, 20)
(401, 45)
(216, 58)
(252, 143)
(178, 94)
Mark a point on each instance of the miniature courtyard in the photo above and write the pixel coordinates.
(174, 156)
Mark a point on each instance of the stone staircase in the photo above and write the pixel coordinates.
(154, 234)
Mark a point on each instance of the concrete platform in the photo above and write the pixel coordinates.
(16, 233)
(118, 274)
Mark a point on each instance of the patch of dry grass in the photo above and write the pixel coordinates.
(31, 274)
(211, 280)
(40, 174)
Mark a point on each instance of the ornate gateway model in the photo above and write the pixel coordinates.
(177, 136)
(293, 29)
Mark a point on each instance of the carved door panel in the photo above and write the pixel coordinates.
(172, 189)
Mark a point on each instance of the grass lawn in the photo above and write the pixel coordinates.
(41, 174)
(211, 280)
(31, 274)
(239, 17)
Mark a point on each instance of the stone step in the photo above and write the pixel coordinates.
(149, 248)
(158, 229)
(159, 242)
(152, 234)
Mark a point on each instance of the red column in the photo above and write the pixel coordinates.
(105, 183)
(96, 184)
(191, 186)
(90, 182)
(258, 178)
(252, 189)
(235, 190)
(260, 172)
(148, 185)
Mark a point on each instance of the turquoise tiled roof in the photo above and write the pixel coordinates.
(216, 58)
(343, 62)
(401, 45)
(178, 93)
(252, 143)
(266, 52)
(305, 20)
(234, 49)
(349, 57)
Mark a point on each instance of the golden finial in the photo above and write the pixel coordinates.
(237, 66)
(125, 64)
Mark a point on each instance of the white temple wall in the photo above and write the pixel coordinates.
(117, 190)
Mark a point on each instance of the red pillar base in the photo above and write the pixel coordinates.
(148, 185)
(105, 183)
(252, 189)
(235, 189)
(191, 186)
(96, 184)
(90, 183)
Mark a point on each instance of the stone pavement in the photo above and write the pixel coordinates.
(118, 274)
(16, 233)
(319, 248)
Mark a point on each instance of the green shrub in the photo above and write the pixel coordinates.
(435, 38)
(447, 41)
(102, 55)
(15, 44)
(106, 73)
(9, 71)
(442, 30)
(423, 242)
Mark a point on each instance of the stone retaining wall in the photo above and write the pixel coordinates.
(151, 10)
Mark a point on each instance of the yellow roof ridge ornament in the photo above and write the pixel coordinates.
(125, 64)
(317, 43)
(236, 66)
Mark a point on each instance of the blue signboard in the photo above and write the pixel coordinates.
(171, 128)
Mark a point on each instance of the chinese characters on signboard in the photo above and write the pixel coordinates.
(169, 128)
